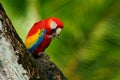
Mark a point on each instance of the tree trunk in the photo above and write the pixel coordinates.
(16, 63)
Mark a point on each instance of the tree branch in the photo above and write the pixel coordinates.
(16, 63)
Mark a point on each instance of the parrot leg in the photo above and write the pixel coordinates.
(41, 55)
(44, 55)
(38, 55)
(54, 35)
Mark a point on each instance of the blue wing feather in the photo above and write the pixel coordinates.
(40, 39)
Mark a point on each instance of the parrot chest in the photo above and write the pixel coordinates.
(43, 45)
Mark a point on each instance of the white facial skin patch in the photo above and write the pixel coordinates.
(53, 25)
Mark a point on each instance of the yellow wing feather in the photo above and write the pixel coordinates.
(32, 39)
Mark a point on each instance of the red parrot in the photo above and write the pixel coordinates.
(40, 35)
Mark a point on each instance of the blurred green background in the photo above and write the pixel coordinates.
(89, 48)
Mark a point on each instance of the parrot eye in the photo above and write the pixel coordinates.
(53, 25)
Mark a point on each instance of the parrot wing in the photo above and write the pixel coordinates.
(33, 41)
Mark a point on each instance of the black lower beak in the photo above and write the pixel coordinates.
(57, 36)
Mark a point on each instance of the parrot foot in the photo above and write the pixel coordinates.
(45, 55)
(41, 55)
(54, 35)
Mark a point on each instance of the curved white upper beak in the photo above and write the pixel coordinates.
(58, 30)
(57, 35)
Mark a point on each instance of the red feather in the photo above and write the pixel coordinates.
(44, 25)
(45, 43)
(39, 25)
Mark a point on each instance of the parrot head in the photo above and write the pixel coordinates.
(54, 27)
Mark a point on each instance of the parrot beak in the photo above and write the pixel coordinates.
(57, 33)
(57, 36)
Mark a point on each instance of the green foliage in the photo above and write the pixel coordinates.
(89, 47)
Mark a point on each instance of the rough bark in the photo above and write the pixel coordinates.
(16, 63)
